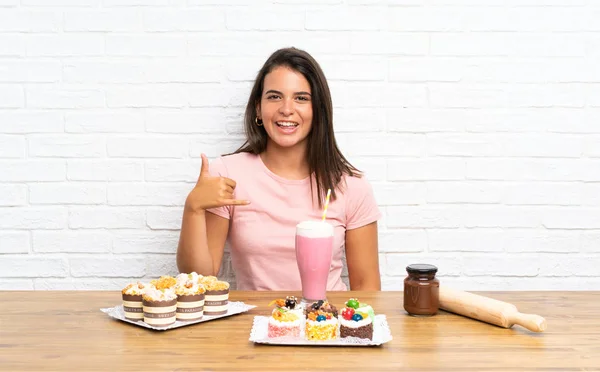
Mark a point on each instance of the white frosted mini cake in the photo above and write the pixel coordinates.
(132, 300)
(160, 307)
(216, 300)
(190, 300)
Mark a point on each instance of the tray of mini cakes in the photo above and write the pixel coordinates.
(173, 302)
(320, 323)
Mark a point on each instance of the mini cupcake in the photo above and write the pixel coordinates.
(216, 300)
(356, 320)
(160, 307)
(132, 300)
(165, 282)
(286, 318)
(190, 300)
(321, 321)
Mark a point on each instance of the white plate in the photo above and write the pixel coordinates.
(260, 329)
(233, 309)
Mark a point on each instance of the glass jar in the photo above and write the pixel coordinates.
(421, 290)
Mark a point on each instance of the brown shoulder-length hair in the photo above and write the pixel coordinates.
(325, 161)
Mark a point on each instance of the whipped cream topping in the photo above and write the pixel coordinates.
(184, 277)
(212, 283)
(353, 323)
(135, 289)
(314, 229)
(189, 287)
(295, 323)
(332, 321)
(154, 294)
(164, 282)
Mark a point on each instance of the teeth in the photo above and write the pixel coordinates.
(286, 124)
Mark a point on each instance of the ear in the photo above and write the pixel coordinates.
(258, 115)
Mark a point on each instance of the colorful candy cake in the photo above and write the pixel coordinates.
(356, 320)
(132, 300)
(321, 321)
(364, 308)
(160, 307)
(286, 318)
(190, 299)
(216, 300)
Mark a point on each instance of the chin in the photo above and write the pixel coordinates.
(286, 143)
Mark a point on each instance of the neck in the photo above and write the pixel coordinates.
(288, 163)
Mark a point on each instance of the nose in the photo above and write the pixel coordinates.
(287, 107)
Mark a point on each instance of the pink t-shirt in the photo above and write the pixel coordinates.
(262, 234)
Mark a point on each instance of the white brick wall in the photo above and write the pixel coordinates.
(477, 122)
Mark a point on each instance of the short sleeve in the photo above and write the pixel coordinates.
(361, 206)
(217, 168)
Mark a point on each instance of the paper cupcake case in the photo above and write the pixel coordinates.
(260, 326)
(234, 308)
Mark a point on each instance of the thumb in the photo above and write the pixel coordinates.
(204, 168)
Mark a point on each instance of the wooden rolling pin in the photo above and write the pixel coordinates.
(488, 310)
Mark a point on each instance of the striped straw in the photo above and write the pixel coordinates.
(326, 203)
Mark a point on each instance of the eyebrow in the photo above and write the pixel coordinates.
(278, 92)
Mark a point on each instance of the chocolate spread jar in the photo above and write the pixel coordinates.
(421, 290)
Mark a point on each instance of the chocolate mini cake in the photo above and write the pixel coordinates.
(160, 307)
(362, 328)
(216, 300)
(356, 320)
(132, 301)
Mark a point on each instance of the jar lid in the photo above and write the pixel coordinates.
(421, 269)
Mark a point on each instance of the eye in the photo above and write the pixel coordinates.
(272, 96)
(303, 98)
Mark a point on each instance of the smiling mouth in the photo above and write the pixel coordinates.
(286, 124)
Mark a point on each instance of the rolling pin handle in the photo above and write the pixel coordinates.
(532, 322)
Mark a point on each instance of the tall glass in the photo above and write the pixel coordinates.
(314, 247)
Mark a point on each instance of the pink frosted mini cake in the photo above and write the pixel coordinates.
(132, 300)
(286, 318)
(160, 307)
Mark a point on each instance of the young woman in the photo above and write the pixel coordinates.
(278, 178)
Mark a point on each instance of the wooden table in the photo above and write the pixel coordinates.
(66, 331)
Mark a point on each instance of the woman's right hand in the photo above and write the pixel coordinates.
(211, 192)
